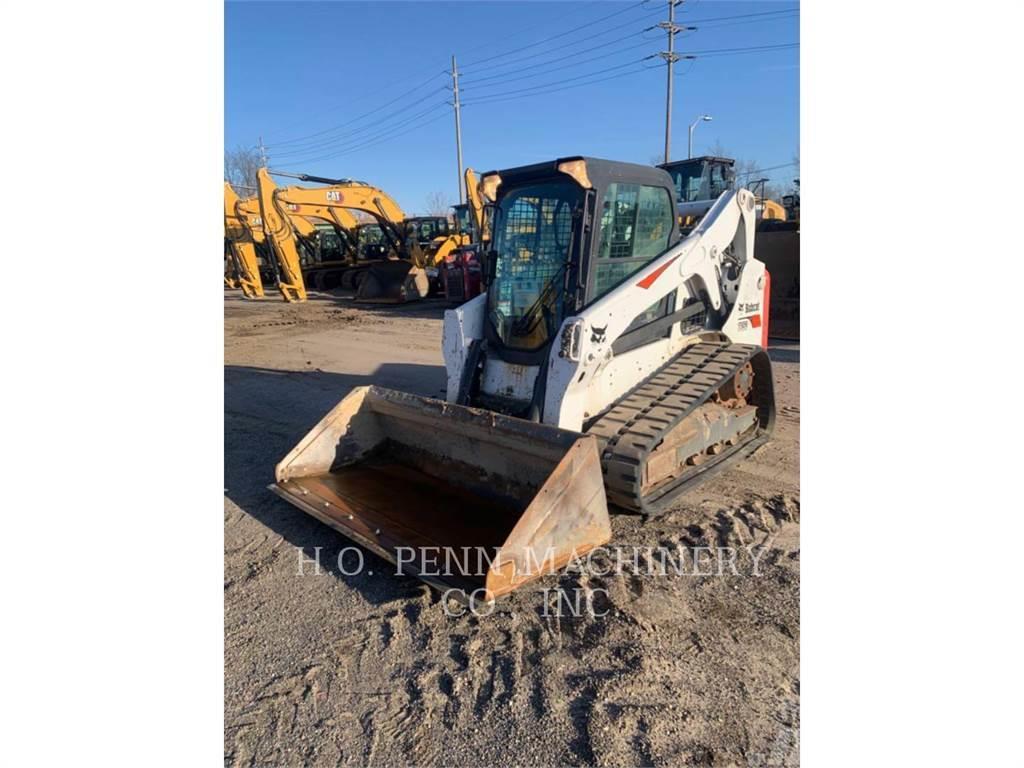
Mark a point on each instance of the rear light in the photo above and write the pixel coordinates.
(764, 308)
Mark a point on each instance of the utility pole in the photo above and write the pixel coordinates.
(671, 57)
(263, 154)
(458, 127)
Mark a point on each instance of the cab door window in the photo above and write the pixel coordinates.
(635, 227)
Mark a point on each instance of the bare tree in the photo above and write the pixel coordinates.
(718, 149)
(438, 204)
(240, 166)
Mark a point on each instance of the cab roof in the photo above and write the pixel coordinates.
(703, 158)
(601, 172)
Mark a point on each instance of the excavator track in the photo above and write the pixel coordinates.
(635, 426)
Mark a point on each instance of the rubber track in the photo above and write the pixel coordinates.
(635, 425)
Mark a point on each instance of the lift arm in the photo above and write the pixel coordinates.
(715, 263)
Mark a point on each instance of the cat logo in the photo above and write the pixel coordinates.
(333, 196)
(293, 207)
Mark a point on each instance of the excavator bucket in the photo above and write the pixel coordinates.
(392, 282)
(462, 498)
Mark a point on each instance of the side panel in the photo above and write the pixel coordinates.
(620, 374)
(462, 326)
(746, 321)
(508, 379)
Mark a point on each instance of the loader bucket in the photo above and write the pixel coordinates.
(460, 497)
(393, 281)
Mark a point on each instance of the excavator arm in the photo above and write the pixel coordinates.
(248, 212)
(241, 246)
(337, 200)
(475, 200)
(279, 232)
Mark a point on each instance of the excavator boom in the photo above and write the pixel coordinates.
(390, 280)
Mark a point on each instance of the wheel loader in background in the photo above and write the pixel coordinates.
(610, 361)
(698, 183)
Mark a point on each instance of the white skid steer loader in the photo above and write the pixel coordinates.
(607, 362)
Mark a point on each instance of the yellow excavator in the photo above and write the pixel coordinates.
(400, 275)
(328, 237)
(240, 247)
(326, 240)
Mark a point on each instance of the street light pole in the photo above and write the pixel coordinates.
(689, 148)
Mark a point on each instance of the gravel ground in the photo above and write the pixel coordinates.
(322, 668)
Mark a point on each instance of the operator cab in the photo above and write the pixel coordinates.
(463, 220)
(701, 178)
(423, 229)
(565, 233)
(370, 241)
(698, 182)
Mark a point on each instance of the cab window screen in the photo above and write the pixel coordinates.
(636, 223)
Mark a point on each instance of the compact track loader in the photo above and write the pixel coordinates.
(610, 362)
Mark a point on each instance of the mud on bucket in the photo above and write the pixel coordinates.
(459, 497)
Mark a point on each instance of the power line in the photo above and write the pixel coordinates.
(311, 155)
(559, 35)
(567, 56)
(573, 11)
(738, 51)
(769, 168)
(491, 99)
(564, 80)
(370, 144)
(641, 67)
(784, 16)
(562, 47)
(742, 16)
(302, 139)
(346, 135)
(564, 66)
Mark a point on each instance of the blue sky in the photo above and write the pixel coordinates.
(315, 78)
